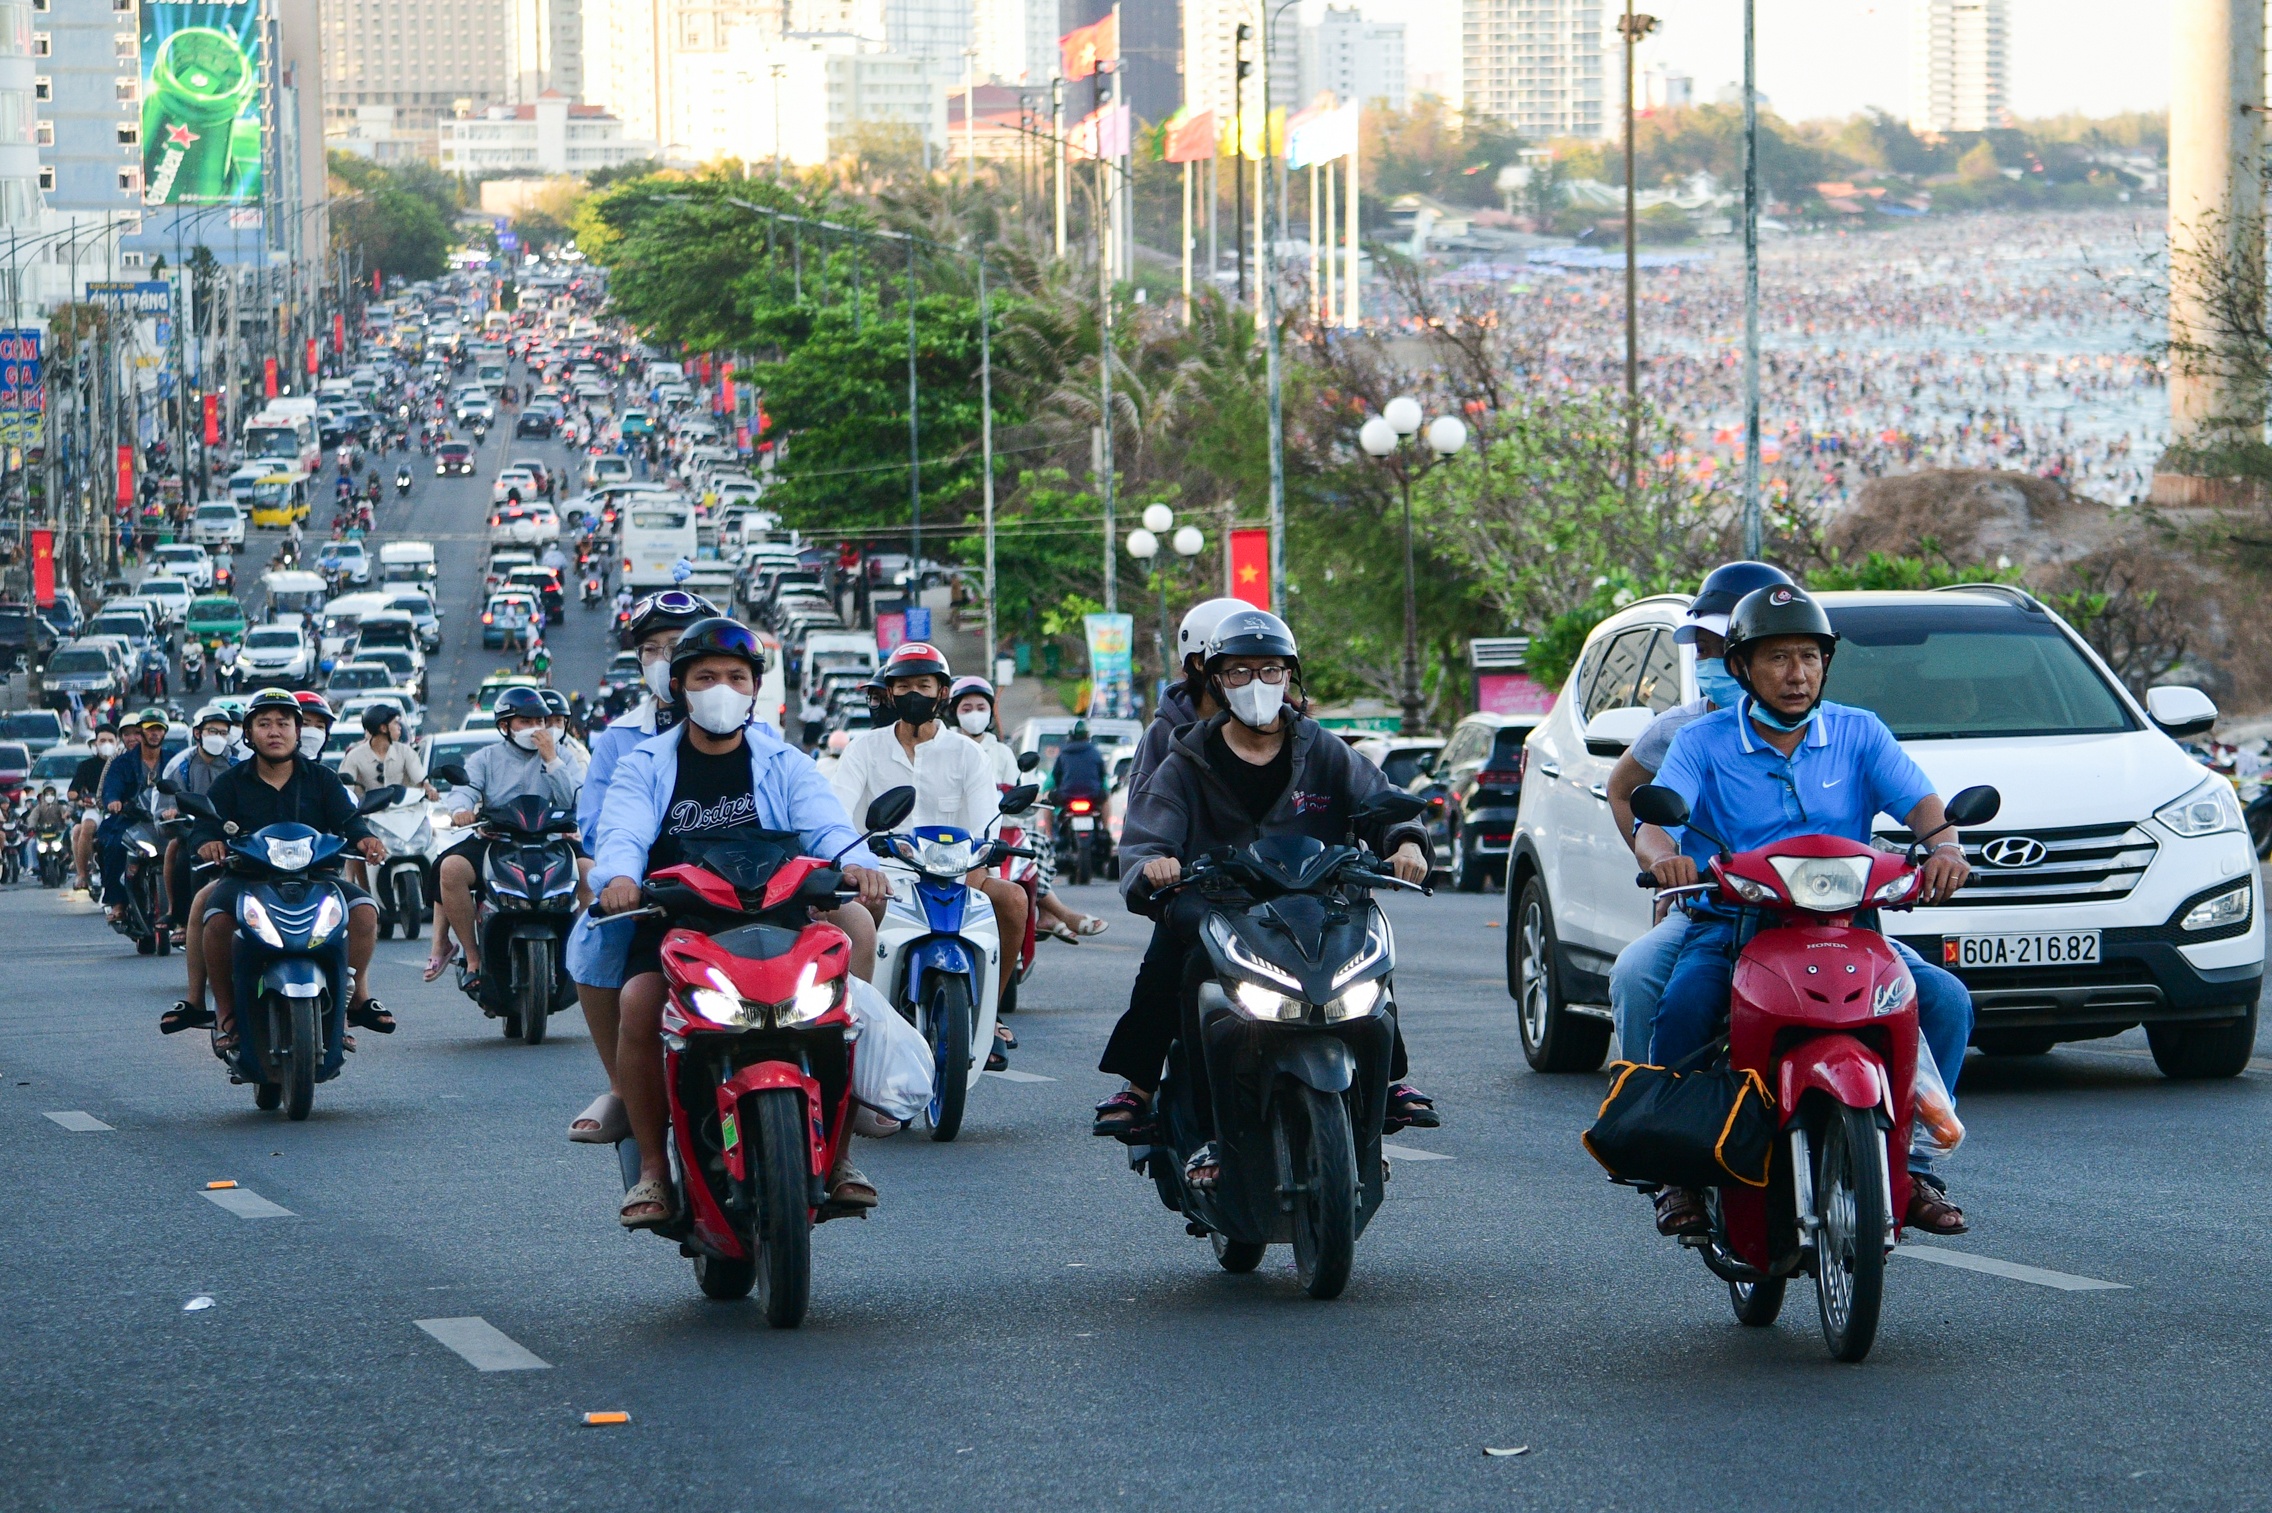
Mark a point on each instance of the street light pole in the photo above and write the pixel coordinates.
(1632, 27)
(1751, 521)
(1268, 273)
(1383, 437)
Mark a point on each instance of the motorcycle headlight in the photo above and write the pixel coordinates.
(255, 918)
(1357, 1002)
(1245, 960)
(329, 915)
(721, 1008)
(1825, 883)
(1258, 1002)
(2208, 810)
(811, 1000)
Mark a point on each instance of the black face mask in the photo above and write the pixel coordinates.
(915, 708)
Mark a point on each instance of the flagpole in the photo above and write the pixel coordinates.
(1057, 149)
(1349, 251)
(1317, 282)
(1332, 248)
(1187, 241)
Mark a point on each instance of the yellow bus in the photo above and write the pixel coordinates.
(279, 499)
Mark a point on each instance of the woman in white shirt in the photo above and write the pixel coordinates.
(974, 717)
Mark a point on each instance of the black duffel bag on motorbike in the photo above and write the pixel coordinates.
(1667, 1127)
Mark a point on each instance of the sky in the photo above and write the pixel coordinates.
(1836, 57)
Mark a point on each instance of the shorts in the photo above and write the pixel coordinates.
(645, 951)
(597, 951)
(230, 887)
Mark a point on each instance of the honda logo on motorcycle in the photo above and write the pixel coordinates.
(2013, 851)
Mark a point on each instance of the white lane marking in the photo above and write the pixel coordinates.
(247, 1204)
(1412, 1153)
(483, 1345)
(1966, 1261)
(78, 1121)
(1014, 1075)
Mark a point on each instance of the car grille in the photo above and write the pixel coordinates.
(2080, 864)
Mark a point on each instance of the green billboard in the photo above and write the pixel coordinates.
(201, 102)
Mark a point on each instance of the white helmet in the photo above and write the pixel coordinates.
(1198, 627)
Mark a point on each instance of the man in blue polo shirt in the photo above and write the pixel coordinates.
(1784, 763)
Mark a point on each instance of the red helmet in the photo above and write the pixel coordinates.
(912, 659)
(313, 706)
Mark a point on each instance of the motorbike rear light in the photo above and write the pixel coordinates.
(1522, 764)
(1500, 777)
(1079, 806)
(1825, 883)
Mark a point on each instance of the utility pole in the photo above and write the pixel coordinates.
(1751, 520)
(1632, 27)
(1104, 382)
(1239, 71)
(986, 453)
(1057, 152)
(914, 439)
(1267, 271)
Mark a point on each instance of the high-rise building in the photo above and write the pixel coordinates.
(1210, 29)
(423, 57)
(544, 50)
(666, 68)
(1534, 66)
(1016, 41)
(936, 32)
(1355, 60)
(1666, 88)
(19, 114)
(1959, 65)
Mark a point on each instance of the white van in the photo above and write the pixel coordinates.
(656, 533)
(407, 562)
(2116, 857)
(246, 479)
(219, 522)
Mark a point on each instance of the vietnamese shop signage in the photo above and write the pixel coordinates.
(201, 102)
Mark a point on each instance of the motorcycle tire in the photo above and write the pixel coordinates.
(410, 904)
(725, 1278)
(1849, 1183)
(1080, 866)
(308, 1017)
(946, 1025)
(1325, 1211)
(1236, 1256)
(784, 1221)
(268, 1096)
(534, 989)
(1757, 1303)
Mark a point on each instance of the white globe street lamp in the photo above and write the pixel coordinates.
(1158, 519)
(1188, 541)
(1382, 437)
(1447, 434)
(1404, 413)
(1143, 545)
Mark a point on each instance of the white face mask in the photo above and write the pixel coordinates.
(1256, 705)
(525, 739)
(311, 742)
(106, 748)
(657, 676)
(720, 709)
(974, 721)
(213, 745)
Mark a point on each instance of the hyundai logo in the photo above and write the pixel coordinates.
(2013, 851)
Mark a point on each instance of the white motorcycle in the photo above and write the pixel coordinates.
(940, 952)
(402, 885)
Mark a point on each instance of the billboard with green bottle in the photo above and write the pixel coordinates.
(201, 105)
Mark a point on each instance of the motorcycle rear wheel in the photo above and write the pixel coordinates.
(535, 989)
(1325, 1214)
(782, 1164)
(409, 904)
(308, 1014)
(1235, 1256)
(1850, 1248)
(946, 1024)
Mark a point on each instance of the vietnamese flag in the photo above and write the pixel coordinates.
(338, 333)
(268, 377)
(43, 568)
(1191, 136)
(125, 474)
(313, 361)
(1084, 49)
(212, 419)
(1250, 566)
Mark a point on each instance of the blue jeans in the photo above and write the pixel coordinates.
(1696, 999)
(1638, 981)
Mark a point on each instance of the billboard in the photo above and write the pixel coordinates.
(201, 82)
(23, 398)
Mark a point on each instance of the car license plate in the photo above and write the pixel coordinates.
(2047, 949)
(1083, 824)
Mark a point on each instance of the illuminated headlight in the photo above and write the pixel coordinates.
(567, 887)
(255, 918)
(1246, 960)
(947, 856)
(2226, 908)
(329, 914)
(723, 1008)
(291, 856)
(1259, 1002)
(1827, 883)
(1357, 1002)
(1376, 946)
(2208, 810)
(812, 999)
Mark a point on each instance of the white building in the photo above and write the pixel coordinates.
(544, 49)
(420, 57)
(1210, 30)
(938, 32)
(1665, 88)
(1354, 59)
(553, 136)
(1016, 41)
(1535, 66)
(1959, 65)
(377, 134)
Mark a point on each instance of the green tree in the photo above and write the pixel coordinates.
(396, 220)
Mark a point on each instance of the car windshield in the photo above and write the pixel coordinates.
(38, 724)
(361, 677)
(417, 606)
(269, 637)
(67, 662)
(58, 766)
(1941, 672)
(658, 520)
(217, 512)
(117, 625)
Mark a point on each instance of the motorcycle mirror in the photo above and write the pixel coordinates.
(1028, 760)
(1974, 806)
(452, 774)
(1019, 799)
(168, 787)
(891, 809)
(1392, 806)
(1659, 806)
(880, 844)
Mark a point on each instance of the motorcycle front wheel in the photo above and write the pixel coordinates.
(535, 989)
(1849, 1276)
(784, 1222)
(308, 1016)
(946, 1024)
(1325, 1210)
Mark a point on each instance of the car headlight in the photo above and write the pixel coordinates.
(329, 914)
(1357, 1002)
(1826, 883)
(2209, 809)
(255, 918)
(1259, 1002)
(2227, 908)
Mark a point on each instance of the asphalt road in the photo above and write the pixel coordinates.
(1021, 1324)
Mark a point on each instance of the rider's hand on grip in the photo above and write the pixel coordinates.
(1674, 872)
(619, 896)
(1160, 871)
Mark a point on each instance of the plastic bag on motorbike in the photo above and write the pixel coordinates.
(1684, 1129)
(1939, 1132)
(891, 1067)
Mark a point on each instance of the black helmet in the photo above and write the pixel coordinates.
(1252, 633)
(272, 698)
(520, 702)
(555, 701)
(672, 609)
(717, 637)
(1080, 731)
(378, 717)
(1783, 609)
(1719, 593)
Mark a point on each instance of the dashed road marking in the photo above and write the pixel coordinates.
(482, 1345)
(1964, 1260)
(247, 1204)
(78, 1121)
(1412, 1153)
(1018, 1076)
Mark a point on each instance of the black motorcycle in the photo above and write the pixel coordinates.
(143, 918)
(1295, 1063)
(527, 911)
(1082, 839)
(54, 850)
(401, 482)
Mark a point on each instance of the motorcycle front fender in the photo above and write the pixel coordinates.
(949, 954)
(292, 977)
(1317, 1061)
(1839, 1067)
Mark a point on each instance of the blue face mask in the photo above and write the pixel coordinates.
(1776, 722)
(1715, 682)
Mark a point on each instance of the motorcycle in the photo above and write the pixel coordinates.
(143, 919)
(1294, 1015)
(757, 1057)
(11, 849)
(401, 482)
(402, 884)
(939, 947)
(1022, 867)
(1080, 836)
(228, 673)
(53, 848)
(592, 592)
(193, 666)
(528, 903)
(1840, 1074)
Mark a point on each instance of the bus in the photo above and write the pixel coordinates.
(279, 499)
(284, 438)
(656, 534)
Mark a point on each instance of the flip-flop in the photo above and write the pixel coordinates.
(184, 1015)
(437, 965)
(371, 1015)
(647, 1194)
(1091, 925)
(610, 1123)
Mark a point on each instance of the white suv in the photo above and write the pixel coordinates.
(2116, 887)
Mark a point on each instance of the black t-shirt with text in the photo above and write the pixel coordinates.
(713, 793)
(1259, 786)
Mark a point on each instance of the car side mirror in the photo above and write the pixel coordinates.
(891, 809)
(1659, 806)
(2180, 712)
(1028, 760)
(1021, 798)
(1426, 766)
(1612, 731)
(453, 774)
(1387, 806)
(1977, 806)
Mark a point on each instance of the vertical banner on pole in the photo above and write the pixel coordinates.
(314, 361)
(125, 473)
(268, 377)
(212, 403)
(43, 568)
(1190, 139)
(1250, 565)
(338, 333)
(1112, 668)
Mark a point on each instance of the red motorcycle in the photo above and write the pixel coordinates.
(758, 1062)
(1825, 1012)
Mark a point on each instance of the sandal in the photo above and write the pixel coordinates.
(1680, 1211)
(225, 1046)
(1409, 1108)
(604, 1123)
(437, 965)
(473, 985)
(1091, 925)
(184, 1015)
(1059, 930)
(647, 1206)
(371, 1015)
(1122, 1115)
(1930, 1209)
(1203, 1170)
(849, 1189)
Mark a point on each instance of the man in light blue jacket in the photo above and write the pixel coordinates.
(716, 772)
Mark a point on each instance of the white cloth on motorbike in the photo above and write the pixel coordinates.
(891, 1066)
(952, 778)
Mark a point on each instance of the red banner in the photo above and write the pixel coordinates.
(338, 332)
(125, 474)
(378, 282)
(726, 388)
(1081, 50)
(212, 420)
(268, 377)
(1190, 137)
(1250, 566)
(313, 361)
(43, 568)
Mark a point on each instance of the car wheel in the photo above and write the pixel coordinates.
(1468, 869)
(1554, 1039)
(2196, 1052)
